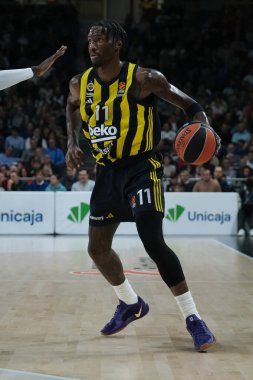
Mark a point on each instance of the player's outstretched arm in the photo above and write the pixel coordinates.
(44, 66)
(9, 78)
(154, 82)
(74, 155)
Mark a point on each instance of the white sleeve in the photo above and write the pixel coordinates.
(10, 77)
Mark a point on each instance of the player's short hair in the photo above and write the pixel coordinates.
(114, 30)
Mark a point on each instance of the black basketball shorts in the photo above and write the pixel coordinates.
(121, 192)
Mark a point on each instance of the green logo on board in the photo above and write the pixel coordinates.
(173, 214)
(78, 213)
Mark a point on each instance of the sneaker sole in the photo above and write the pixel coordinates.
(206, 346)
(122, 328)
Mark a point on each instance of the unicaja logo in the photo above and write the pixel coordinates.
(78, 213)
(30, 217)
(173, 214)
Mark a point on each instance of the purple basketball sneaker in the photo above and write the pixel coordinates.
(201, 335)
(124, 315)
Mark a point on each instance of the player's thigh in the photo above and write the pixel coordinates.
(108, 203)
(146, 191)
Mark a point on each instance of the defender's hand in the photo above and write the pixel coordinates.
(74, 157)
(44, 66)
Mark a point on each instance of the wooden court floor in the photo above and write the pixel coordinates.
(53, 304)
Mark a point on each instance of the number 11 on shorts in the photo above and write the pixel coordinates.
(144, 196)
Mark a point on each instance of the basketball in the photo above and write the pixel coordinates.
(196, 143)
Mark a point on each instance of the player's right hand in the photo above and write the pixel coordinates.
(74, 157)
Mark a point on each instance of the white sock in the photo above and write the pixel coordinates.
(126, 293)
(10, 77)
(187, 305)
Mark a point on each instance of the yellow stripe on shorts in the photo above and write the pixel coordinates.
(157, 185)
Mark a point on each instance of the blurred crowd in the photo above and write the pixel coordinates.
(208, 55)
(32, 114)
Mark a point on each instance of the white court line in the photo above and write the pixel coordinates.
(9, 374)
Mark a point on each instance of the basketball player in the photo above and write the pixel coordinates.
(9, 78)
(118, 117)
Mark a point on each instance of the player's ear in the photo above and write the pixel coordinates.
(118, 45)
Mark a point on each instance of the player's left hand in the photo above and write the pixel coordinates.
(44, 66)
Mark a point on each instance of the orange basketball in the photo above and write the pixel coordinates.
(196, 143)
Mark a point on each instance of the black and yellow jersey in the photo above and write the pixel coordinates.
(116, 124)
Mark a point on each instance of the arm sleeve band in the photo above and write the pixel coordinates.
(193, 109)
(10, 77)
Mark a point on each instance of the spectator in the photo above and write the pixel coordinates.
(168, 136)
(8, 157)
(207, 183)
(14, 183)
(37, 135)
(218, 106)
(55, 184)
(56, 155)
(84, 183)
(169, 168)
(23, 173)
(16, 142)
(39, 154)
(228, 171)
(245, 213)
(18, 118)
(232, 149)
(39, 183)
(69, 177)
(3, 182)
(14, 168)
(47, 170)
(35, 165)
(219, 176)
(199, 171)
(233, 163)
(184, 180)
(28, 131)
(27, 154)
(47, 160)
(4, 169)
(245, 172)
(241, 133)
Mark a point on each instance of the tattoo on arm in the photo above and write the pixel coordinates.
(159, 86)
(154, 82)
